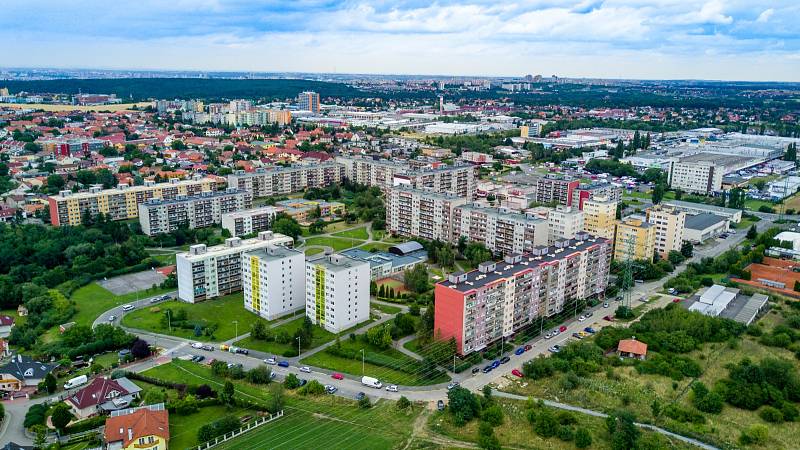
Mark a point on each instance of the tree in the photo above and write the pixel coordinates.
(291, 381)
(658, 193)
(624, 432)
(687, 249)
(486, 437)
(140, 349)
(61, 416)
(791, 153)
(752, 232)
(49, 384)
(463, 405)
(364, 403)
(259, 375)
(583, 439)
(286, 225)
(260, 331)
(40, 440)
(226, 397)
(277, 398)
(403, 402)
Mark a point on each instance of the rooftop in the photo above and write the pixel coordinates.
(254, 211)
(337, 262)
(235, 245)
(703, 221)
(274, 253)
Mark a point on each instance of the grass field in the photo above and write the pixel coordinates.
(92, 300)
(793, 202)
(321, 336)
(386, 308)
(183, 429)
(118, 107)
(223, 311)
(398, 286)
(313, 251)
(334, 242)
(753, 204)
(389, 366)
(379, 246)
(355, 233)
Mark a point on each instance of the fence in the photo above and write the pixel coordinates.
(228, 436)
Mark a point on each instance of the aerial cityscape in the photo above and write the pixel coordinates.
(394, 225)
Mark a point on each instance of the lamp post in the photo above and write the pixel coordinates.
(298, 346)
(169, 320)
(236, 327)
(362, 362)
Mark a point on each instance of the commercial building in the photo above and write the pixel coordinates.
(481, 307)
(240, 223)
(563, 222)
(208, 272)
(727, 302)
(418, 213)
(337, 292)
(700, 177)
(702, 227)
(122, 202)
(783, 187)
(499, 230)
(477, 158)
(273, 281)
(669, 224)
(308, 101)
(393, 262)
(732, 215)
(286, 180)
(158, 216)
(634, 238)
(599, 216)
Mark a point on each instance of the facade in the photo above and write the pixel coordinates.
(599, 216)
(240, 223)
(208, 272)
(701, 177)
(551, 189)
(273, 281)
(589, 191)
(634, 238)
(500, 231)
(122, 202)
(286, 180)
(701, 227)
(371, 172)
(158, 216)
(498, 299)
(143, 428)
(733, 215)
(564, 222)
(337, 292)
(102, 395)
(417, 213)
(21, 372)
(669, 224)
(308, 101)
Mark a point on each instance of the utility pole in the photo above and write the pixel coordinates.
(362, 362)
(454, 363)
(298, 346)
(236, 325)
(627, 274)
(169, 320)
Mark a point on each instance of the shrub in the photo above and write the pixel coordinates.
(771, 414)
(755, 434)
(364, 403)
(684, 415)
(313, 387)
(217, 428)
(493, 415)
(403, 402)
(582, 438)
(291, 381)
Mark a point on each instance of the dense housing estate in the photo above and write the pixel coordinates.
(197, 211)
(337, 292)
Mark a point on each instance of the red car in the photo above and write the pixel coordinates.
(528, 347)
(337, 376)
(562, 328)
(609, 318)
(676, 300)
(516, 373)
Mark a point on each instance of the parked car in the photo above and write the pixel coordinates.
(453, 385)
(554, 349)
(672, 291)
(488, 369)
(197, 345)
(244, 351)
(475, 370)
(605, 305)
(581, 318)
(302, 382)
(562, 328)
(577, 336)
(495, 364)
(588, 314)
(200, 358)
(155, 299)
(283, 364)
(440, 405)
(608, 318)
(271, 361)
(548, 335)
(305, 369)
(676, 300)
(391, 388)
(516, 373)
(519, 351)
(504, 359)
(360, 395)
(528, 347)
(112, 318)
(208, 348)
(337, 376)
(589, 330)
(330, 389)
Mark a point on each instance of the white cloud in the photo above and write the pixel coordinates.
(765, 15)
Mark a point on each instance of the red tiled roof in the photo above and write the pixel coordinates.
(632, 346)
(6, 320)
(140, 423)
(95, 393)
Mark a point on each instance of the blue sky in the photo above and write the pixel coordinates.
(708, 39)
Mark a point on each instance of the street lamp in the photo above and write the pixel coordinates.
(298, 346)
(236, 325)
(169, 320)
(362, 362)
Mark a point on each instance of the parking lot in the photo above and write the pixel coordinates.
(132, 282)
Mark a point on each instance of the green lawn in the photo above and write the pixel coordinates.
(379, 246)
(753, 204)
(378, 234)
(92, 300)
(389, 366)
(321, 336)
(314, 251)
(165, 260)
(386, 308)
(355, 233)
(222, 311)
(183, 429)
(336, 243)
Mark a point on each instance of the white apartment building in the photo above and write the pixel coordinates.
(563, 222)
(208, 272)
(286, 180)
(158, 216)
(371, 172)
(418, 213)
(702, 177)
(248, 221)
(499, 230)
(337, 292)
(670, 224)
(273, 281)
(599, 216)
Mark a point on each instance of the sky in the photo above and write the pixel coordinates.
(646, 39)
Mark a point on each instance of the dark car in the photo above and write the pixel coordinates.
(440, 405)
(475, 370)
(360, 396)
(504, 359)
(589, 330)
(495, 364)
(488, 369)
(284, 363)
(243, 351)
(519, 351)
(302, 382)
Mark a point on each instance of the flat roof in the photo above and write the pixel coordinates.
(244, 245)
(274, 253)
(703, 221)
(191, 198)
(476, 279)
(253, 211)
(122, 190)
(702, 206)
(337, 262)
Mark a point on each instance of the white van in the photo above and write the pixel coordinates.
(371, 382)
(127, 307)
(75, 382)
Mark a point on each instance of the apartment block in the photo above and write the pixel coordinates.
(308, 101)
(589, 191)
(274, 281)
(208, 272)
(481, 307)
(599, 216)
(553, 189)
(157, 216)
(265, 182)
(634, 238)
(248, 221)
(122, 202)
(670, 224)
(337, 292)
(701, 177)
(418, 213)
(370, 171)
(499, 230)
(563, 222)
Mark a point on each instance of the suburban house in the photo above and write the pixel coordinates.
(22, 310)
(6, 324)
(22, 371)
(631, 348)
(143, 428)
(4, 349)
(103, 395)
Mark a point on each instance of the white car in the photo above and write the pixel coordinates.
(548, 335)
(271, 361)
(112, 318)
(391, 388)
(581, 318)
(127, 307)
(197, 345)
(305, 369)
(605, 305)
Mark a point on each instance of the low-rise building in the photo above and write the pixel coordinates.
(702, 227)
(387, 264)
(248, 221)
(103, 395)
(23, 372)
(631, 348)
(142, 428)
(6, 325)
(634, 239)
(157, 216)
(337, 292)
(303, 210)
(733, 215)
(273, 281)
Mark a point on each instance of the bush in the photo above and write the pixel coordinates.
(259, 375)
(493, 415)
(403, 402)
(217, 428)
(683, 415)
(364, 403)
(582, 438)
(771, 414)
(538, 368)
(291, 381)
(36, 415)
(313, 387)
(755, 434)
(704, 400)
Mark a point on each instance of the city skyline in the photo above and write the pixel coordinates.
(663, 39)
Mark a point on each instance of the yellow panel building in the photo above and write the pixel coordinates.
(634, 238)
(600, 216)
